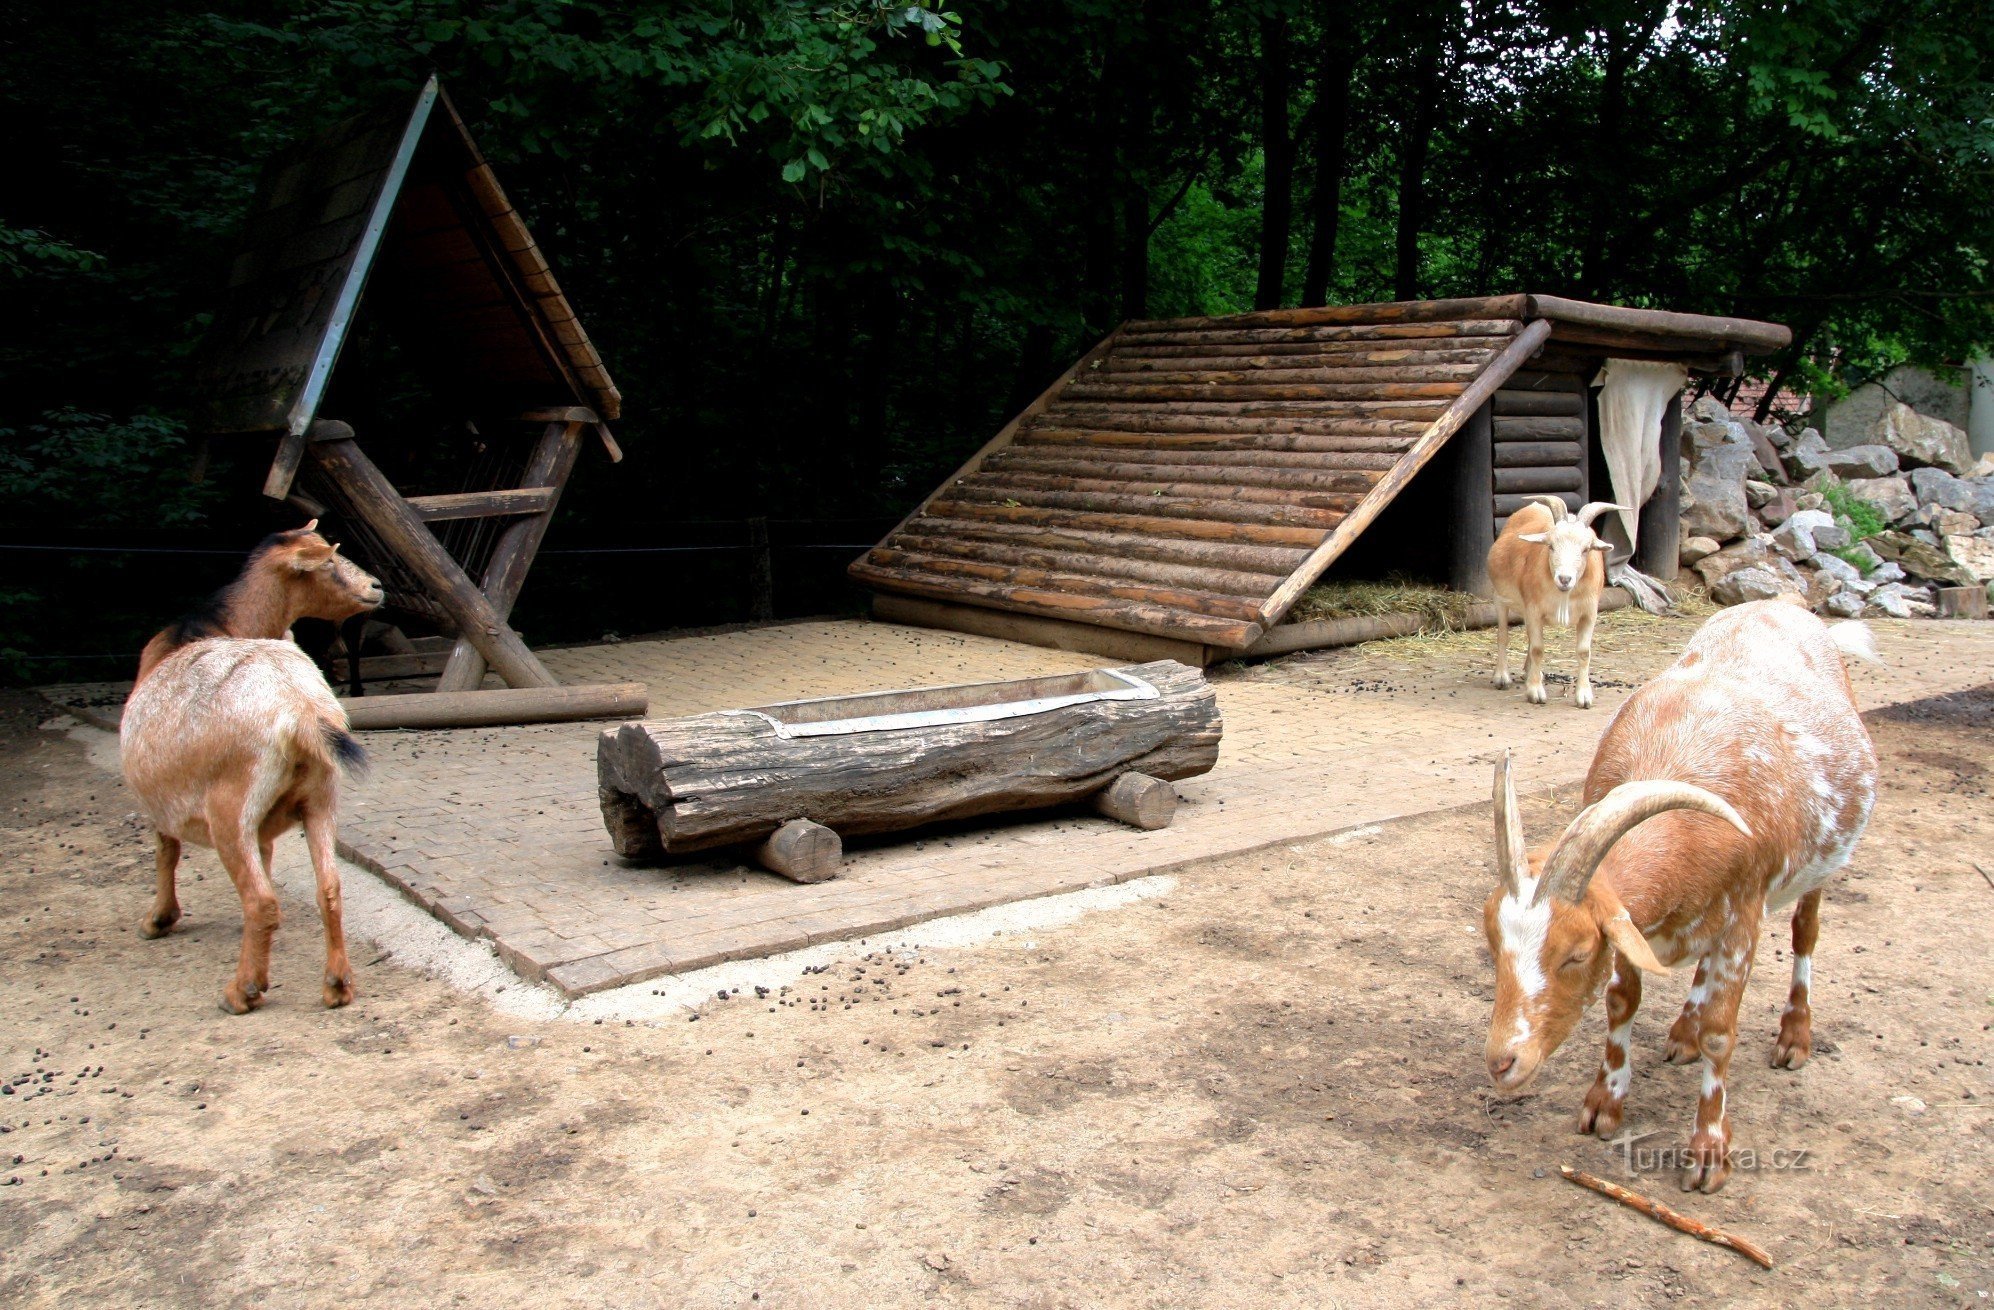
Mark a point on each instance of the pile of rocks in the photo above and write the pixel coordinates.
(1758, 522)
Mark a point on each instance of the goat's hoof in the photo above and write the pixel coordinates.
(1584, 698)
(1536, 696)
(1602, 1114)
(1792, 1049)
(1710, 1165)
(1504, 682)
(1682, 1043)
(338, 990)
(237, 999)
(157, 925)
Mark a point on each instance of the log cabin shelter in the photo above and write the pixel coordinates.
(393, 222)
(1177, 491)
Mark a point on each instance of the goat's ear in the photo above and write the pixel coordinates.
(1602, 546)
(1539, 538)
(309, 526)
(1627, 939)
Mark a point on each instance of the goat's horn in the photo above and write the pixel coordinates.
(1510, 858)
(1568, 870)
(1556, 504)
(1594, 510)
(309, 526)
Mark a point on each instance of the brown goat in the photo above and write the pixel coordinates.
(231, 743)
(289, 576)
(1549, 567)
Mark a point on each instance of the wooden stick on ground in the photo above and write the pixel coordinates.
(1662, 1214)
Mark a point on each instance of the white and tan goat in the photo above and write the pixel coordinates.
(1550, 567)
(1736, 783)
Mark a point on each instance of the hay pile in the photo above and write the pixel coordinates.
(1438, 608)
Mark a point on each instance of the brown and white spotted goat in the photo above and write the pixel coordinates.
(1736, 783)
(1549, 567)
(229, 741)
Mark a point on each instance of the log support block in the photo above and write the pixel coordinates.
(1963, 602)
(802, 851)
(1139, 801)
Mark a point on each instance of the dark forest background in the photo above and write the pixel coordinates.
(826, 249)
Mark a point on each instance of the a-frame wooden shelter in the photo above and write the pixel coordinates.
(1181, 487)
(397, 212)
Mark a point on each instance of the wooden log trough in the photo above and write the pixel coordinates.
(793, 779)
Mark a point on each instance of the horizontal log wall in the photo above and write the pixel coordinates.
(1539, 435)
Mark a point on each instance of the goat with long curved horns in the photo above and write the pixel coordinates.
(1736, 783)
(1550, 567)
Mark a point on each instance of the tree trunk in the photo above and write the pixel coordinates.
(1332, 112)
(1277, 145)
(1414, 142)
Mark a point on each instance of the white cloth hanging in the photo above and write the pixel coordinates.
(1633, 396)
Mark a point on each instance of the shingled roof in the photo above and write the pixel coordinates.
(402, 196)
(1190, 478)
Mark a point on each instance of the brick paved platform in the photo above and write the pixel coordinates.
(496, 831)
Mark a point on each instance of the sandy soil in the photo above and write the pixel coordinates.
(1262, 1089)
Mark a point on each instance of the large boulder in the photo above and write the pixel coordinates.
(1851, 420)
(1717, 458)
(1921, 441)
(1972, 553)
(1751, 584)
(1892, 496)
(1841, 605)
(1752, 569)
(1800, 536)
(1855, 462)
(1697, 548)
(1921, 559)
(1863, 557)
(1901, 601)
(1973, 496)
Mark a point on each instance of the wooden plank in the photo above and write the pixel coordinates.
(1207, 491)
(1117, 392)
(484, 709)
(553, 459)
(1225, 582)
(1221, 376)
(1527, 428)
(1539, 454)
(1343, 358)
(1520, 349)
(1751, 335)
(1157, 507)
(1084, 413)
(1260, 534)
(1132, 616)
(1305, 453)
(483, 504)
(1326, 422)
(1055, 634)
(1278, 561)
(1564, 478)
(1221, 472)
(1510, 403)
(946, 567)
(560, 414)
(1272, 336)
(1393, 311)
(381, 507)
(1506, 505)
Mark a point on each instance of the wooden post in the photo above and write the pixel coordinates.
(1139, 800)
(761, 572)
(802, 851)
(1659, 552)
(377, 502)
(553, 459)
(1471, 521)
(506, 705)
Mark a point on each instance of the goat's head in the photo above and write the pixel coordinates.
(1569, 537)
(1553, 930)
(320, 583)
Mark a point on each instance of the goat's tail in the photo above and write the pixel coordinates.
(344, 749)
(1855, 641)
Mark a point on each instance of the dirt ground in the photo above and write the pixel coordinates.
(1261, 1089)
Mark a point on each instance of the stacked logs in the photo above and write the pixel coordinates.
(1184, 469)
(1539, 426)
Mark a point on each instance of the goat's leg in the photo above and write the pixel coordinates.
(166, 899)
(1681, 1046)
(1605, 1105)
(1730, 968)
(1502, 678)
(1533, 659)
(1582, 630)
(238, 846)
(319, 829)
(1796, 1022)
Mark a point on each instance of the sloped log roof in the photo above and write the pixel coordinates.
(1192, 478)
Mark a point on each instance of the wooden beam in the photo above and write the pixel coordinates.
(1471, 520)
(1521, 348)
(1392, 311)
(553, 459)
(1751, 335)
(381, 507)
(290, 455)
(485, 709)
(483, 504)
(560, 414)
(1058, 634)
